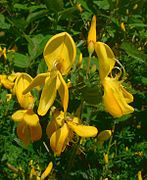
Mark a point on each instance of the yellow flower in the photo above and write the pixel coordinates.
(92, 35)
(106, 158)
(53, 82)
(47, 171)
(122, 26)
(6, 82)
(3, 53)
(61, 129)
(59, 54)
(21, 83)
(79, 64)
(79, 7)
(9, 97)
(139, 175)
(106, 59)
(28, 129)
(115, 97)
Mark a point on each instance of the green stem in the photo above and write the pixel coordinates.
(88, 67)
(105, 168)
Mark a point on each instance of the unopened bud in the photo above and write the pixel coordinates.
(122, 25)
(106, 159)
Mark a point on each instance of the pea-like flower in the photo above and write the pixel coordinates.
(29, 128)
(61, 129)
(59, 54)
(116, 99)
(8, 84)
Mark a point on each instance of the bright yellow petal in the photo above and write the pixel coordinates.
(31, 118)
(58, 140)
(83, 130)
(51, 128)
(47, 171)
(106, 59)
(139, 175)
(92, 31)
(92, 36)
(59, 52)
(15, 84)
(23, 133)
(114, 100)
(26, 101)
(6, 82)
(76, 120)
(13, 76)
(35, 132)
(18, 115)
(48, 95)
(128, 96)
(63, 92)
(59, 117)
(104, 135)
(38, 80)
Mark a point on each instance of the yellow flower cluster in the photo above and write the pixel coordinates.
(116, 98)
(59, 54)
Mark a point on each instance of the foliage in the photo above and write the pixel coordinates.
(24, 30)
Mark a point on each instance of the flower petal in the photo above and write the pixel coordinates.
(47, 171)
(92, 31)
(35, 132)
(60, 52)
(48, 95)
(63, 92)
(128, 96)
(92, 36)
(106, 59)
(6, 82)
(38, 80)
(23, 133)
(114, 100)
(26, 101)
(51, 128)
(31, 118)
(18, 115)
(83, 130)
(58, 140)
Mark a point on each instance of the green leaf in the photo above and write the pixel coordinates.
(21, 60)
(36, 7)
(54, 5)
(36, 15)
(104, 4)
(36, 45)
(20, 6)
(67, 13)
(132, 51)
(144, 81)
(42, 67)
(92, 95)
(123, 118)
(3, 24)
(140, 25)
